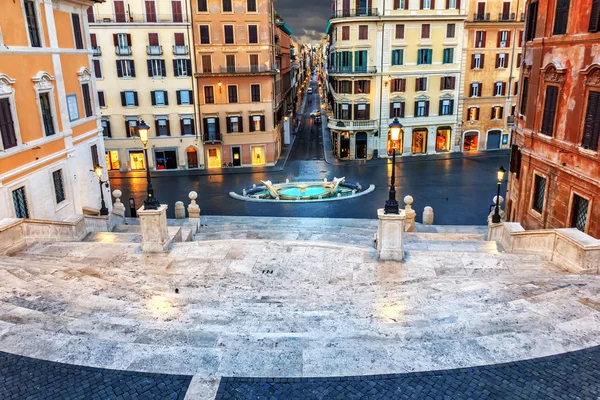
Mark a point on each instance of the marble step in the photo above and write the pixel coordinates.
(114, 237)
(122, 228)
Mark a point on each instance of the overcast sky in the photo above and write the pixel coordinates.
(307, 18)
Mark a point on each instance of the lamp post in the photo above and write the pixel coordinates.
(151, 202)
(500, 175)
(391, 205)
(98, 170)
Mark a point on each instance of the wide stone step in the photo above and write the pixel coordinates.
(122, 228)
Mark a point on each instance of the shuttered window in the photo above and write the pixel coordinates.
(515, 160)
(77, 31)
(425, 31)
(204, 35)
(524, 95)
(7, 127)
(32, 24)
(561, 17)
(209, 96)
(345, 33)
(532, 11)
(549, 110)
(400, 31)
(595, 17)
(363, 32)
(150, 11)
(539, 188)
(177, 11)
(591, 129)
(47, 114)
(398, 85)
(94, 154)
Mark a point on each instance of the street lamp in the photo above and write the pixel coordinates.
(500, 175)
(151, 202)
(391, 205)
(98, 170)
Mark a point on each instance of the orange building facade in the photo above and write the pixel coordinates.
(555, 163)
(49, 117)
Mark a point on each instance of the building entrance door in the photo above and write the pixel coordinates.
(214, 158)
(493, 140)
(361, 145)
(345, 145)
(471, 141)
(236, 154)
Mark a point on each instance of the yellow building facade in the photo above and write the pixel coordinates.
(491, 66)
(144, 69)
(50, 136)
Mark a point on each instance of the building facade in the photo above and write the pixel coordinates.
(399, 61)
(236, 70)
(51, 138)
(143, 66)
(491, 57)
(554, 179)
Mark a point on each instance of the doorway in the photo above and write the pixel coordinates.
(236, 155)
(214, 158)
(493, 140)
(361, 145)
(165, 159)
(345, 145)
(471, 141)
(419, 142)
(192, 158)
(258, 155)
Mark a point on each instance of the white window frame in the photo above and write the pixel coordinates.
(125, 65)
(85, 77)
(122, 42)
(167, 125)
(179, 62)
(445, 103)
(42, 84)
(100, 65)
(129, 105)
(163, 104)
(502, 60)
(189, 117)
(475, 86)
(156, 65)
(8, 92)
(503, 39)
(229, 128)
(189, 94)
(498, 89)
(39, 23)
(426, 4)
(257, 34)
(478, 61)
(418, 110)
(233, 31)
(451, 4)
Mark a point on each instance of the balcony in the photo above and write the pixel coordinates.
(481, 17)
(239, 70)
(180, 50)
(507, 17)
(353, 70)
(139, 18)
(96, 51)
(347, 124)
(214, 137)
(123, 50)
(154, 50)
(502, 17)
(358, 12)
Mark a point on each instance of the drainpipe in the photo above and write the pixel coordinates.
(190, 40)
(381, 82)
(510, 82)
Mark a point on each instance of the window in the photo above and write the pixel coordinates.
(524, 95)
(97, 69)
(32, 23)
(90, 14)
(477, 61)
(397, 109)
(165, 159)
(420, 84)
(185, 97)
(7, 125)
(101, 99)
(177, 11)
(255, 92)
(579, 212)
(105, 123)
(398, 57)
(77, 31)
(119, 6)
(530, 26)
(136, 160)
(446, 107)
(442, 138)
(473, 114)
(363, 32)
(125, 69)
(502, 60)
(206, 64)
(204, 34)
(202, 5)
(362, 86)
(131, 127)
(182, 67)
(252, 33)
(94, 44)
(162, 127)
(154, 47)
(503, 39)
(550, 101)
(254, 62)
(425, 31)
(419, 140)
(234, 124)
(209, 95)
(156, 68)
(159, 98)
(452, 4)
(228, 34)
(257, 123)
(230, 61)
(112, 160)
(515, 160)
(251, 6)
(450, 30)
(87, 99)
(427, 4)
(539, 191)
(232, 91)
(499, 88)
(47, 114)
(424, 56)
(422, 108)
(400, 31)
(497, 112)
(591, 126)
(595, 17)
(400, 4)
(344, 87)
(59, 190)
(187, 127)
(227, 6)
(362, 111)
(345, 33)
(475, 89)
(480, 39)
(561, 17)
(212, 129)
(519, 60)
(150, 11)
(447, 82)
(399, 85)
(448, 56)
(94, 154)
(129, 99)
(20, 203)
(516, 88)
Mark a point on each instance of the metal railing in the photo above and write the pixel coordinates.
(353, 70)
(154, 50)
(180, 50)
(351, 124)
(123, 50)
(507, 17)
(355, 12)
(243, 69)
(96, 51)
(502, 17)
(214, 137)
(139, 18)
(481, 17)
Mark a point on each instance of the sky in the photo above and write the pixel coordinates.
(306, 18)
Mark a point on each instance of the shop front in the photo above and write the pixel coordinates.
(213, 155)
(419, 141)
(471, 141)
(442, 138)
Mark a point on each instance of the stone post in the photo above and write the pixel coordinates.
(194, 212)
(390, 232)
(155, 233)
(118, 207)
(428, 216)
(179, 210)
(409, 222)
(500, 211)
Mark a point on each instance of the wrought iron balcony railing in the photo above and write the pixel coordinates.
(212, 137)
(123, 50)
(355, 12)
(180, 50)
(353, 70)
(481, 17)
(138, 18)
(96, 51)
(154, 50)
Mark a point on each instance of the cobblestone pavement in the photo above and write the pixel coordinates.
(27, 378)
(574, 375)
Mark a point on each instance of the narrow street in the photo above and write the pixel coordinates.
(309, 139)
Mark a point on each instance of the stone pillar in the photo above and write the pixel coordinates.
(118, 207)
(428, 216)
(410, 214)
(155, 233)
(501, 211)
(390, 231)
(179, 210)
(194, 212)
(406, 142)
(431, 136)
